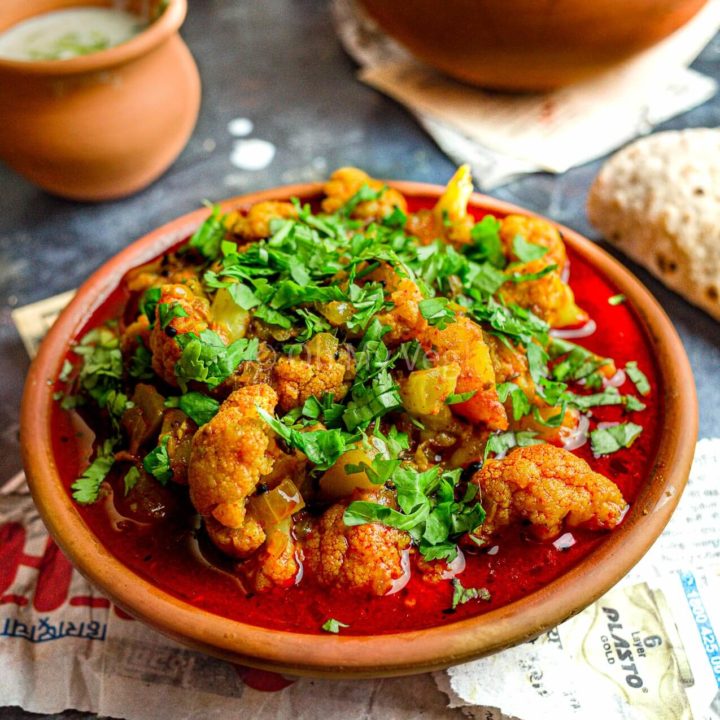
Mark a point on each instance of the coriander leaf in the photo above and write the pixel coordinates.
(167, 312)
(461, 594)
(86, 489)
(206, 359)
(518, 398)
(604, 441)
(140, 365)
(157, 462)
(208, 237)
(609, 396)
(243, 296)
(414, 356)
(518, 277)
(369, 403)
(273, 317)
(486, 244)
(616, 299)
(361, 512)
(638, 377)
(66, 371)
(364, 194)
(200, 408)
(500, 443)
(333, 626)
(526, 251)
(632, 404)
(455, 398)
(436, 312)
(322, 447)
(149, 302)
(131, 478)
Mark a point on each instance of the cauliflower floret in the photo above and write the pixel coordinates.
(255, 225)
(537, 232)
(345, 182)
(366, 558)
(404, 318)
(463, 342)
(548, 297)
(229, 456)
(548, 487)
(322, 368)
(165, 350)
(278, 564)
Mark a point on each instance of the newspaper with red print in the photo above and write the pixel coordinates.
(647, 650)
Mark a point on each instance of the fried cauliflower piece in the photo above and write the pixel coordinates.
(549, 487)
(463, 342)
(278, 562)
(537, 232)
(548, 297)
(229, 456)
(369, 558)
(165, 350)
(404, 318)
(345, 182)
(255, 225)
(322, 368)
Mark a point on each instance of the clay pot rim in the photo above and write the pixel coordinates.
(156, 33)
(341, 656)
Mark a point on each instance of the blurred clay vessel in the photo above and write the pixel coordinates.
(106, 124)
(528, 44)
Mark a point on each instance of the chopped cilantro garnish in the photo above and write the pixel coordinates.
(149, 302)
(364, 194)
(428, 509)
(461, 594)
(526, 251)
(456, 398)
(604, 441)
(333, 626)
(131, 478)
(632, 404)
(518, 398)
(638, 377)
(616, 299)
(486, 244)
(500, 443)
(140, 365)
(322, 447)
(518, 277)
(199, 408)
(157, 462)
(209, 236)
(86, 489)
(206, 358)
(167, 312)
(436, 312)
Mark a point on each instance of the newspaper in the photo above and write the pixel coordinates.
(502, 135)
(647, 649)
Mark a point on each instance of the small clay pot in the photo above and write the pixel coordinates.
(347, 656)
(103, 125)
(527, 44)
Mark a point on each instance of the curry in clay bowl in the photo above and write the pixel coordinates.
(358, 429)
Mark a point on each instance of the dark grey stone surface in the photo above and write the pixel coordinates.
(278, 63)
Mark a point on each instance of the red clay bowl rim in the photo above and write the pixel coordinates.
(348, 656)
(157, 32)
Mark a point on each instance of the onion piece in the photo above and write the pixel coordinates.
(274, 506)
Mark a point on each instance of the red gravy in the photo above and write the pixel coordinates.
(162, 554)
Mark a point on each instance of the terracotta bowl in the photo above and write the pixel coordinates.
(103, 125)
(348, 656)
(525, 44)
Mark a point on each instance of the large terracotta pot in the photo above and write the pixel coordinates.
(528, 44)
(103, 125)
